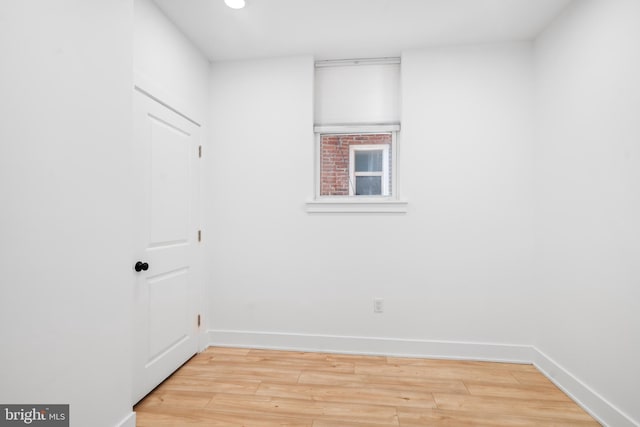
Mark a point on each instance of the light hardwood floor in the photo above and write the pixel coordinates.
(264, 388)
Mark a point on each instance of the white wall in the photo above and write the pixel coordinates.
(588, 175)
(467, 174)
(66, 250)
(167, 64)
(262, 137)
(456, 267)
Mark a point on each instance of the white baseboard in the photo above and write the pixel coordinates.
(592, 402)
(603, 411)
(373, 346)
(129, 421)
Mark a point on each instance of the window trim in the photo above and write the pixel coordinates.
(391, 203)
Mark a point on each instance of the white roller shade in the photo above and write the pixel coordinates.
(357, 91)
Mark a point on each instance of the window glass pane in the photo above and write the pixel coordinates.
(368, 185)
(368, 161)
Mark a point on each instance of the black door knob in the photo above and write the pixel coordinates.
(141, 266)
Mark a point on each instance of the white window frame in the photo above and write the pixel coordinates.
(383, 174)
(390, 203)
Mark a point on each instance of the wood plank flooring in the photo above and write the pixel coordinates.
(264, 388)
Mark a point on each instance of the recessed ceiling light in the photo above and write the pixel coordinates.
(235, 4)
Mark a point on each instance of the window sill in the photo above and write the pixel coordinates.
(357, 206)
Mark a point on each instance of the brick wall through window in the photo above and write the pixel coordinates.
(334, 160)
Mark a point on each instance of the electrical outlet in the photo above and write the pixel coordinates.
(378, 305)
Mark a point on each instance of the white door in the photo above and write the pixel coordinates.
(166, 289)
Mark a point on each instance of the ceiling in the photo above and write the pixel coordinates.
(339, 29)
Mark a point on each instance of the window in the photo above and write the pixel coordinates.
(369, 167)
(357, 115)
(356, 164)
(356, 169)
